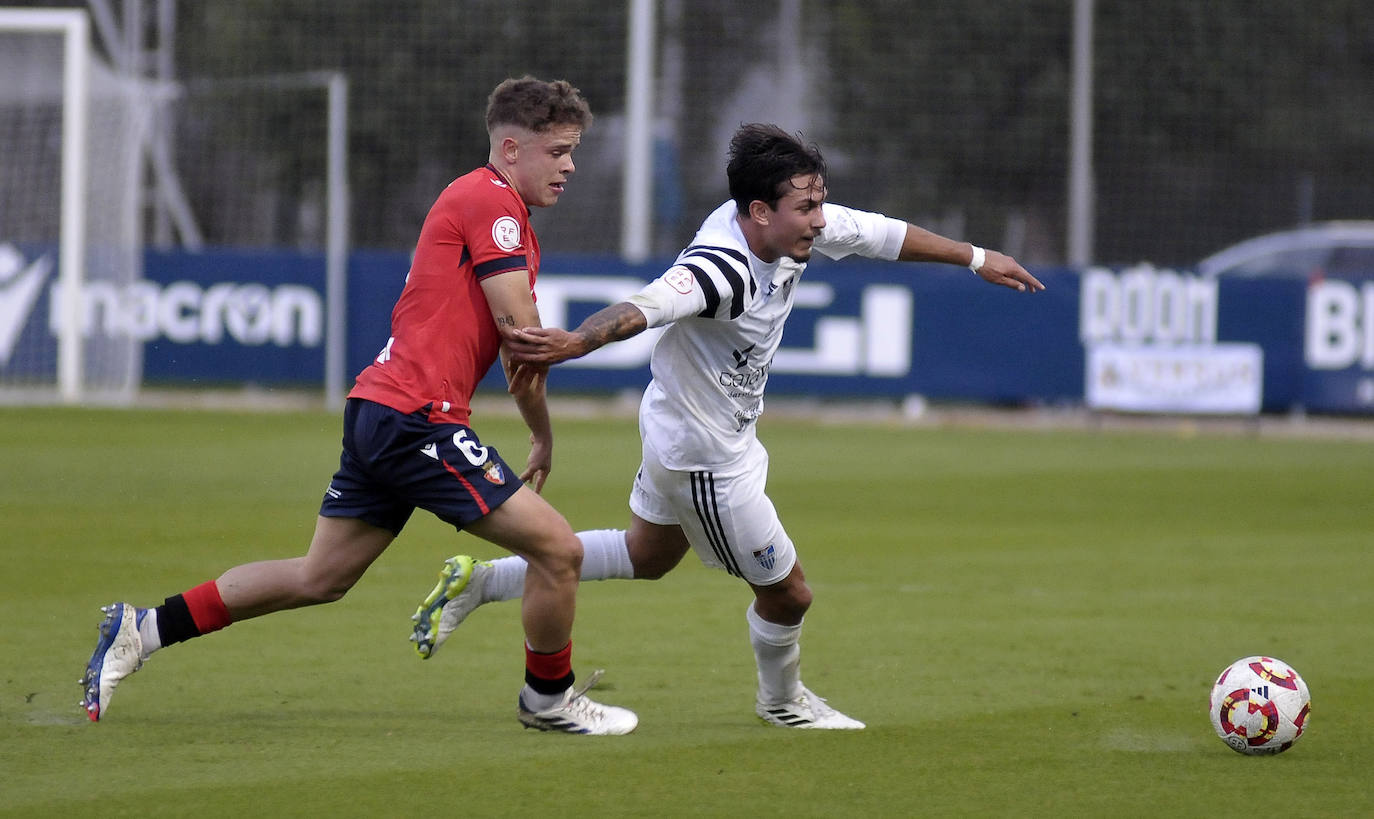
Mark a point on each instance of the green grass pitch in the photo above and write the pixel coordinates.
(1028, 620)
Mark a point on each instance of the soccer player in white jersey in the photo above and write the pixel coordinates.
(724, 302)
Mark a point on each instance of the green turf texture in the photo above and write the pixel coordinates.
(1028, 620)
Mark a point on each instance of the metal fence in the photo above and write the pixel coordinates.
(1210, 121)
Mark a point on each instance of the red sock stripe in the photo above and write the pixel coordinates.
(207, 607)
(554, 666)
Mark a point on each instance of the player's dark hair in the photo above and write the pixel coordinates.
(764, 159)
(536, 105)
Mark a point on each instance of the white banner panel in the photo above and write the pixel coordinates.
(1190, 378)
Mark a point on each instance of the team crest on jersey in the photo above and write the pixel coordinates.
(680, 280)
(494, 473)
(765, 557)
(505, 232)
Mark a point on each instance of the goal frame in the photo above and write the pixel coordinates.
(74, 26)
(75, 30)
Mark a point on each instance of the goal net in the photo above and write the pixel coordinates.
(71, 133)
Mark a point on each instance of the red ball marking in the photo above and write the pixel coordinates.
(1300, 721)
(1282, 677)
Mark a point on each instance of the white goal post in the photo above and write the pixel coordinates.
(68, 188)
(78, 139)
(74, 29)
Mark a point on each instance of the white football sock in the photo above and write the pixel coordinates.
(777, 650)
(148, 633)
(506, 581)
(605, 556)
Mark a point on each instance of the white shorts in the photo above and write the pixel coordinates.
(727, 518)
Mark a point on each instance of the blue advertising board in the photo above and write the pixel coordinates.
(1338, 346)
(859, 328)
(234, 317)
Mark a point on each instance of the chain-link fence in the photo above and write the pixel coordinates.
(1212, 121)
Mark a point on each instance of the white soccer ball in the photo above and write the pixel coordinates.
(1259, 705)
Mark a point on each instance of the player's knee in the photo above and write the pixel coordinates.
(796, 602)
(785, 602)
(570, 560)
(559, 560)
(323, 590)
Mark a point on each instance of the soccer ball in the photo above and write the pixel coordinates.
(1259, 705)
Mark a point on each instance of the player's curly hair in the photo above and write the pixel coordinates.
(536, 105)
(763, 160)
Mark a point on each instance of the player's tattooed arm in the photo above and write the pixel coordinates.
(550, 345)
(614, 323)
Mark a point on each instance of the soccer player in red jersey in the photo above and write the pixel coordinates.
(407, 442)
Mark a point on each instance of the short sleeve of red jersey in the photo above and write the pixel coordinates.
(496, 226)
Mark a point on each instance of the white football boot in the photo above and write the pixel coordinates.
(118, 653)
(806, 711)
(577, 714)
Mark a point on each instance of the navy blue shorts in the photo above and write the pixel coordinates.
(393, 462)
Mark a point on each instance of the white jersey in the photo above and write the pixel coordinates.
(726, 310)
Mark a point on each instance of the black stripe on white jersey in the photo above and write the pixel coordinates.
(708, 512)
(708, 289)
(734, 254)
(733, 277)
(732, 273)
(728, 251)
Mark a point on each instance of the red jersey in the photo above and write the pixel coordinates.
(443, 336)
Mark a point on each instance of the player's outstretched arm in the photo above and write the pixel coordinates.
(550, 345)
(920, 245)
(999, 268)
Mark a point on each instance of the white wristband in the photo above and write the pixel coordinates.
(979, 256)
